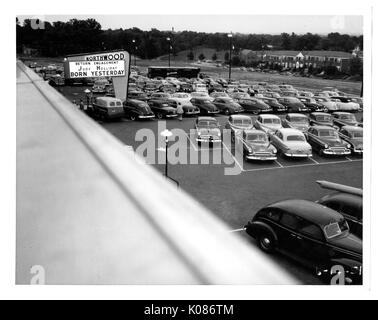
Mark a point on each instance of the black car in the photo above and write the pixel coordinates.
(162, 109)
(321, 119)
(138, 95)
(254, 105)
(347, 201)
(227, 105)
(205, 105)
(136, 109)
(326, 141)
(317, 236)
(274, 104)
(292, 104)
(341, 119)
(312, 105)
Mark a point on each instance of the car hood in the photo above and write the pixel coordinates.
(298, 145)
(260, 147)
(208, 131)
(273, 127)
(324, 123)
(299, 126)
(334, 142)
(349, 242)
(210, 107)
(357, 141)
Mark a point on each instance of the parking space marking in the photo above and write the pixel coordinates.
(313, 160)
(237, 162)
(276, 161)
(237, 230)
(348, 159)
(191, 142)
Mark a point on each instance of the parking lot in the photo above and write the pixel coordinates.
(236, 198)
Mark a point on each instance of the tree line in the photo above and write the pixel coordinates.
(78, 36)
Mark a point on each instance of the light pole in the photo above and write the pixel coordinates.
(230, 57)
(135, 49)
(166, 134)
(169, 51)
(87, 93)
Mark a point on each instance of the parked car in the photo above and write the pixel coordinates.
(205, 106)
(341, 119)
(254, 105)
(106, 108)
(291, 143)
(207, 130)
(227, 106)
(268, 123)
(181, 98)
(354, 136)
(162, 109)
(136, 109)
(187, 107)
(237, 124)
(274, 95)
(100, 85)
(321, 119)
(256, 146)
(358, 100)
(326, 141)
(317, 236)
(327, 103)
(297, 121)
(201, 95)
(274, 104)
(138, 95)
(239, 95)
(160, 95)
(219, 95)
(347, 201)
(289, 93)
(311, 104)
(293, 104)
(343, 104)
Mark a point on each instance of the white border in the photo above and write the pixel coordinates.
(8, 159)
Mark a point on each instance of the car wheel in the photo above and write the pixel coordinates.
(159, 116)
(226, 112)
(320, 152)
(266, 242)
(255, 112)
(326, 109)
(132, 117)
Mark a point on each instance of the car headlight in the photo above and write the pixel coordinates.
(274, 151)
(250, 150)
(219, 134)
(326, 146)
(348, 145)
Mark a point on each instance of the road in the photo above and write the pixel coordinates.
(236, 198)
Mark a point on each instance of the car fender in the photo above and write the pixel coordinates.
(262, 226)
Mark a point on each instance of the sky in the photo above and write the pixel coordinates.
(273, 24)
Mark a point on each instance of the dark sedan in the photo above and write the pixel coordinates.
(227, 106)
(353, 136)
(254, 105)
(274, 104)
(341, 119)
(293, 104)
(138, 95)
(205, 105)
(312, 105)
(136, 109)
(162, 109)
(326, 141)
(317, 236)
(321, 119)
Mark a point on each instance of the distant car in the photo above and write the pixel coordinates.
(256, 146)
(219, 95)
(160, 95)
(237, 124)
(205, 106)
(307, 94)
(207, 130)
(344, 104)
(227, 106)
(181, 98)
(326, 141)
(136, 109)
(291, 143)
(341, 119)
(347, 201)
(254, 105)
(188, 108)
(311, 104)
(321, 119)
(107, 108)
(138, 95)
(317, 236)
(297, 121)
(293, 104)
(354, 136)
(201, 95)
(275, 95)
(268, 123)
(328, 104)
(289, 93)
(162, 109)
(358, 100)
(239, 95)
(274, 104)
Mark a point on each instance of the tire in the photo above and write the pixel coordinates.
(266, 242)
(159, 116)
(132, 117)
(226, 112)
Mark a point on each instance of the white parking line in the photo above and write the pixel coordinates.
(313, 160)
(276, 161)
(237, 162)
(237, 230)
(348, 159)
(191, 142)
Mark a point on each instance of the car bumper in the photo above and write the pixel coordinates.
(260, 157)
(170, 115)
(265, 110)
(212, 112)
(297, 155)
(192, 112)
(146, 117)
(358, 151)
(336, 152)
(210, 139)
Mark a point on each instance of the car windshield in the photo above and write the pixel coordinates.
(328, 133)
(207, 124)
(178, 95)
(207, 101)
(335, 229)
(242, 122)
(356, 134)
(298, 119)
(348, 117)
(296, 137)
(257, 137)
(271, 121)
(325, 118)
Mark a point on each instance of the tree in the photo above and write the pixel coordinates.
(190, 55)
(201, 57)
(356, 66)
(214, 57)
(226, 57)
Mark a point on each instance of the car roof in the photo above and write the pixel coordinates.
(296, 115)
(287, 131)
(341, 112)
(269, 116)
(346, 198)
(323, 127)
(352, 128)
(239, 116)
(206, 118)
(320, 113)
(311, 211)
(254, 131)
